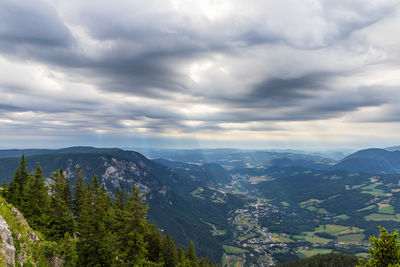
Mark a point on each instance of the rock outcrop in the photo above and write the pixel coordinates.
(7, 243)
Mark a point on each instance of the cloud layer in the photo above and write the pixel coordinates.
(216, 73)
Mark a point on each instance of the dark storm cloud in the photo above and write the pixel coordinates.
(290, 89)
(146, 56)
(311, 96)
(142, 75)
(31, 23)
(350, 100)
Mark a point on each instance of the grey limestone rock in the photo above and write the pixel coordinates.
(7, 243)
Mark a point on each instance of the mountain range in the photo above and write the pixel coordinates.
(211, 196)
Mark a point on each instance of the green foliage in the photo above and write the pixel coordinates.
(88, 229)
(153, 238)
(15, 191)
(327, 260)
(168, 251)
(93, 246)
(190, 252)
(385, 250)
(80, 191)
(61, 220)
(64, 249)
(130, 226)
(35, 200)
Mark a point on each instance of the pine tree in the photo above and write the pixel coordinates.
(168, 252)
(153, 240)
(190, 252)
(67, 195)
(119, 199)
(180, 255)
(61, 220)
(36, 200)
(93, 246)
(17, 185)
(80, 191)
(131, 225)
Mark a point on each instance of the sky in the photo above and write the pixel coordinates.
(184, 74)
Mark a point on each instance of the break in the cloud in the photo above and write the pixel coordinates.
(303, 74)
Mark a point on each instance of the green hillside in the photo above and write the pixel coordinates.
(23, 245)
(168, 193)
(326, 260)
(86, 228)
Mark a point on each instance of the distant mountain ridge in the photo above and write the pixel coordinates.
(393, 148)
(10, 153)
(372, 160)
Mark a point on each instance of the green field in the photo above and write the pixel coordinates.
(219, 232)
(198, 192)
(382, 217)
(234, 250)
(376, 192)
(334, 229)
(310, 237)
(387, 210)
(344, 234)
(245, 237)
(282, 239)
(309, 202)
(299, 236)
(367, 208)
(232, 261)
(370, 187)
(343, 217)
(308, 253)
(354, 239)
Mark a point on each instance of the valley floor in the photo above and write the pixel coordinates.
(272, 231)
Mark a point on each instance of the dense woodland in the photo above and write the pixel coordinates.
(87, 227)
(327, 260)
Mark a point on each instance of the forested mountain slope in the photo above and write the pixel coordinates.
(372, 160)
(85, 228)
(327, 260)
(168, 193)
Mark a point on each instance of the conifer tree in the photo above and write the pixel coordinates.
(80, 191)
(168, 252)
(131, 226)
(67, 194)
(61, 220)
(153, 239)
(190, 252)
(119, 199)
(93, 246)
(180, 255)
(36, 199)
(16, 187)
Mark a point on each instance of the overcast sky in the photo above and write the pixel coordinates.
(249, 74)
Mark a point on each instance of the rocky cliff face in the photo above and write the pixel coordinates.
(7, 244)
(19, 244)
